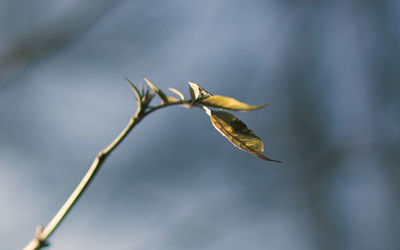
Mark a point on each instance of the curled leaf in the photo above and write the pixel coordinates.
(136, 91)
(237, 133)
(156, 90)
(223, 102)
(197, 92)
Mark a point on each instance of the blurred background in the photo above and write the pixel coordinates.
(329, 71)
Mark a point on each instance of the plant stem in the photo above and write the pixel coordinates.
(40, 239)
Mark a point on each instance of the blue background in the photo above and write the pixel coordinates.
(329, 71)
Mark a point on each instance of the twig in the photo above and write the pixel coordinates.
(42, 235)
(230, 127)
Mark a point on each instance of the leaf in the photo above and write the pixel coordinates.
(237, 133)
(223, 102)
(172, 99)
(136, 91)
(147, 97)
(178, 93)
(141, 88)
(197, 92)
(204, 97)
(156, 90)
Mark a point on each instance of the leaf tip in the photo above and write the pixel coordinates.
(159, 92)
(178, 93)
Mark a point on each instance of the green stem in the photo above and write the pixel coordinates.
(40, 240)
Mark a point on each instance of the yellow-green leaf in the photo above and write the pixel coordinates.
(172, 99)
(237, 133)
(223, 102)
(156, 90)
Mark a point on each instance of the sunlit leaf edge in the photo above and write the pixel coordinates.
(228, 103)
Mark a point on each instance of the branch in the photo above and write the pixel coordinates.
(42, 235)
(228, 125)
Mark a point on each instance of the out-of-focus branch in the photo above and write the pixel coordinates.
(19, 51)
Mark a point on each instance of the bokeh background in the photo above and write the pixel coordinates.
(328, 69)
